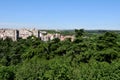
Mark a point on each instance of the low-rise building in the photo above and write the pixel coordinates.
(10, 33)
(62, 38)
(24, 33)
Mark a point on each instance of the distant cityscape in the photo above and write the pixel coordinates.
(15, 34)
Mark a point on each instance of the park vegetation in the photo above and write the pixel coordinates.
(88, 57)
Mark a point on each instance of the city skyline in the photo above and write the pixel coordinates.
(60, 14)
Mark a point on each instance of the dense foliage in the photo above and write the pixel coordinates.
(88, 57)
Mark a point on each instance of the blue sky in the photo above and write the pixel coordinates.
(60, 14)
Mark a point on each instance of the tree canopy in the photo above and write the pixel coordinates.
(88, 57)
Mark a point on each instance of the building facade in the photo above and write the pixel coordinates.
(20, 33)
(10, 33)
(25, 33)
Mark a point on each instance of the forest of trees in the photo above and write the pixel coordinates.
(88, 57)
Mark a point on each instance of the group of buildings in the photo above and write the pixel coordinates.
(14, 34)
